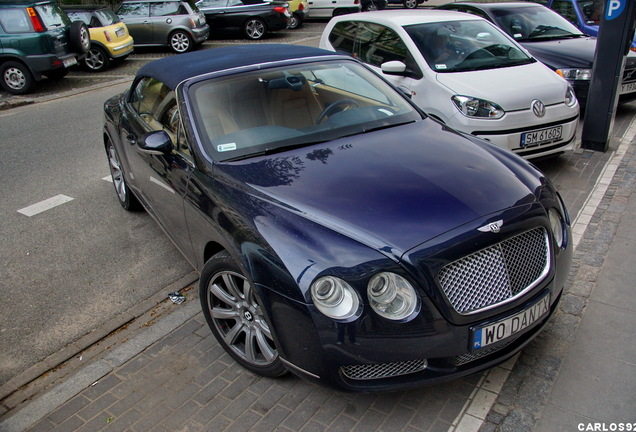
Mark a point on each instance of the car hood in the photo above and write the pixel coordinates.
(563, 53)
(391, 189)
(513, 88)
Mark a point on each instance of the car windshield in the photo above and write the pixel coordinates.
(52, 15)
(461, 46)
(592, 10)
(107, 17)
(535, 23)
(271, 110)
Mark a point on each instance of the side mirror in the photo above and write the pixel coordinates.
(157, 142)
(393, 68)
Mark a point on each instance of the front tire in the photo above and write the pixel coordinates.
(255, 29)
(180, 42)
(16, 78)
(410, 4)
(124, 195)
(236, 317)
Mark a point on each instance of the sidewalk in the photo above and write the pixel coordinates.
(165, 371)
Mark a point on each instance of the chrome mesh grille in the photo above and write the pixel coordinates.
(383, 370)
(498, 273)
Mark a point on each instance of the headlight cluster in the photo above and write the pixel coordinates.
(559, 220)
(575, 74)
(480, 108)
(390, 296)
(570, 97)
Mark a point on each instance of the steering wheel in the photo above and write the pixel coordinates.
(336, 107)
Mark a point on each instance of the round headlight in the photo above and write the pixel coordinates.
(391, 296)
(334, 297)
(556, 225)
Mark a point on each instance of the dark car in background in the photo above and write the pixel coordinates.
(251, 18)
(585, 14)
(175, 23)
(341, 234)
(552, 40)
(110, 39)
(37, 39)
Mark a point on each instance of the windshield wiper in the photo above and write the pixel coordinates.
(273, 150)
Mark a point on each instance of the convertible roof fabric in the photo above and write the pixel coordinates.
(175, 69)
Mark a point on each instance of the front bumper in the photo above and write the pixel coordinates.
(375, 354)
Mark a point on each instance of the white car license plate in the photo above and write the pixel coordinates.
(512, 325)
(628, 88)
(120, 32)
(69, 62)
(541, 136)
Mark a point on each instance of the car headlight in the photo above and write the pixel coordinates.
(391, 296)
(335, 298)
(557, 227)
(575, 74)
(474, 107)
(570, 97)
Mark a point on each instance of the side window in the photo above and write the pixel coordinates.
(376, 44)
(343, 37)
(147, 100)
(15, 21)
(134, 10)
(476, 12)
(164, 8)
(565, 9)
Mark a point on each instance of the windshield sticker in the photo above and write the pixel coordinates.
(440, 66)
(226, 147)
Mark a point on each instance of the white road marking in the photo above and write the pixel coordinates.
(108, 178)
(45, 205)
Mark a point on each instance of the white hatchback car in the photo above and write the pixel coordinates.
(331, 8)
(465, 72)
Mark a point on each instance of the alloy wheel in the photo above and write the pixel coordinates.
(117, 174)
(239, 319)
(255, 29)
(180, 42)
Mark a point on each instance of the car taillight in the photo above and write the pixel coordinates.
(301, 7)
(280, 9)
(107, 36)
(35, 20)
(192, 23)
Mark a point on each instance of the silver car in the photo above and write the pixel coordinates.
(176, 23)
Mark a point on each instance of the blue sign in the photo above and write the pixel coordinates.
(614, 8)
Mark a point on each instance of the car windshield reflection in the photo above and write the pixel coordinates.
(461, 46)
(272, 110)
(535, 23)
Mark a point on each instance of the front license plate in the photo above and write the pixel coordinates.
(508, 327)
(120, 32)
(628, 88)
(69, 62)
(541, 136)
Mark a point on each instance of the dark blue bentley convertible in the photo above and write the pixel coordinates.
(340, 233)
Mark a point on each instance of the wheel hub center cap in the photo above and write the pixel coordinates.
(248, 316)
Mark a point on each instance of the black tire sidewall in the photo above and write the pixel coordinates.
(131, 203)
(29, 80)
(224, 262)
(78, 31)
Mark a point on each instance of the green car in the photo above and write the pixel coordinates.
(37, 39)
